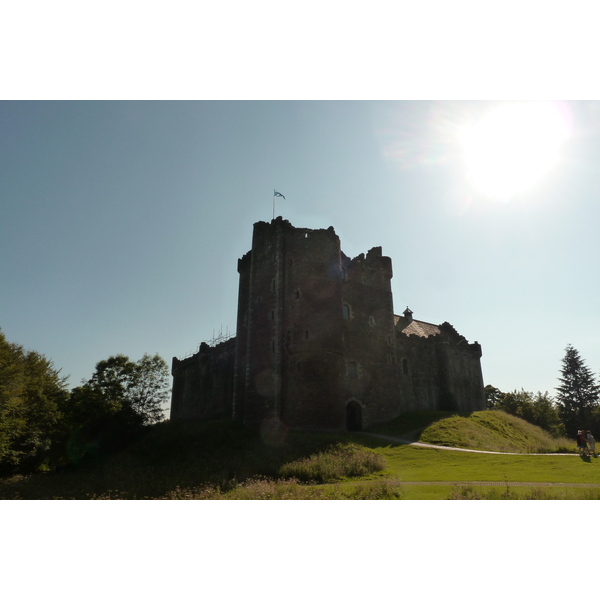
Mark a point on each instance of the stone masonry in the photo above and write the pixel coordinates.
(318, 345)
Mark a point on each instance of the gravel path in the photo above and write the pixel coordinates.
(423, 445)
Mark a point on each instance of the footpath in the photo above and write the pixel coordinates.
(398, 440)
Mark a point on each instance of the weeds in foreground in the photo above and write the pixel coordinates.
(469, 492)
(291, 489)
(337, 462)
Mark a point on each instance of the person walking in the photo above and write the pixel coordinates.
(591, 442)
(581, 442)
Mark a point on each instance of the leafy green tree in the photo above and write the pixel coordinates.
(32, 393)
(545, 415)
(492, 395)
(577, 395)
(141, 386)
(538, 409)
(109, 409)
(515, 403)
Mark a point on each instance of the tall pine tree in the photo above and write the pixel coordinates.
(577, 395)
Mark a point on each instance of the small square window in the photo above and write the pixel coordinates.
(352, 370)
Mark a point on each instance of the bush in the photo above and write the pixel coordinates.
(335, 463)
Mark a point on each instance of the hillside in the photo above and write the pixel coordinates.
(227, 460)
(493, 430)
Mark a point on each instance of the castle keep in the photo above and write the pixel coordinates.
(318, 345)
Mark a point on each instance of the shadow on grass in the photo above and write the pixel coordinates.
(410, 425)
(176, 454)
(370, 440)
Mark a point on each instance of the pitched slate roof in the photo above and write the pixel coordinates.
(421, 329)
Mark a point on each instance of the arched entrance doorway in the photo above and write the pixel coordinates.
(353, 416)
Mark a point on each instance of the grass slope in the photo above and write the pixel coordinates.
(226, 460)
(493, 430)
(409, 463)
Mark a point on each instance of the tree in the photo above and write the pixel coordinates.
(546, 416)
(492, 395)
(32, 393)
(577, 395)
(121, 386)
(141, 386)
(109, 410)
(538, 409)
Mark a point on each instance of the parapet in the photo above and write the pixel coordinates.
(244, 262)
(285, 225)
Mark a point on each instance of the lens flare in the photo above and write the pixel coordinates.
(514, 146)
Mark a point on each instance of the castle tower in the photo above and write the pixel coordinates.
(289, 356)
(370, 384)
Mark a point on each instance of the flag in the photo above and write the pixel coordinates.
(278, 194)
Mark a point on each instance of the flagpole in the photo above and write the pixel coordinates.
(273, 205)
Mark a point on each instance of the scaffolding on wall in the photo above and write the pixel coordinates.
(217, 338)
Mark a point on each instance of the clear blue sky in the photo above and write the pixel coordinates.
(121, 224)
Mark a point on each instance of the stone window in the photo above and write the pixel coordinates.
(405, 366)
(273, 346)
(352, 370)
(346, 311)
(306, 334)
(272, 315)
(371, 321)
(297, 294)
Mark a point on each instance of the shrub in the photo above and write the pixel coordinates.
(339, 461)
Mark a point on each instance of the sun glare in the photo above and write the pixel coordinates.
(514, 146)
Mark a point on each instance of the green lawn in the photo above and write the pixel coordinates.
(410, 463)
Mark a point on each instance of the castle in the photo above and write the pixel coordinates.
(318, 345)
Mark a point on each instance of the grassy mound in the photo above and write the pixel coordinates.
(493, 430)
(337, 462)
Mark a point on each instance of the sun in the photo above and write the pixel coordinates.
(512, 147)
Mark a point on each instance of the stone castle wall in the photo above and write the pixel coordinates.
(318, 345)
(203, 383)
